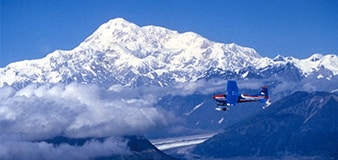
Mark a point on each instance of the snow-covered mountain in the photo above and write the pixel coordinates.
(324, 66)
(120, 52)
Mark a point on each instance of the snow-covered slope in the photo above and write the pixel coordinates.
(120, 52)
(313, 64)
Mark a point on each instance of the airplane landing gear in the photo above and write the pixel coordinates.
(222, 108)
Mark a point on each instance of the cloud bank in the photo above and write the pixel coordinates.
(24, 150)
(76, 110)
(39, 112)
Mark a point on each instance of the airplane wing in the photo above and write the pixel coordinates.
(231, 93)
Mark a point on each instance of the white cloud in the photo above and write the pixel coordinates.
(36, 113)
(250, 84)
(6, 92)
(76, 110)
(41, 150)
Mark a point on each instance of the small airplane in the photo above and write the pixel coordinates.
(232, 97)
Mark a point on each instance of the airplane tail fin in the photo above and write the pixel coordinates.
(232, 93)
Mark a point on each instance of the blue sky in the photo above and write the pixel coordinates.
(31, 29)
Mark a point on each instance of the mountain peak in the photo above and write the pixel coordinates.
(118, 24)
(118, 21)
(111, 32)
(279, 58)
(315, 57)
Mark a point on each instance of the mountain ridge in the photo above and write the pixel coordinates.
(301, 124)
(120, 52)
